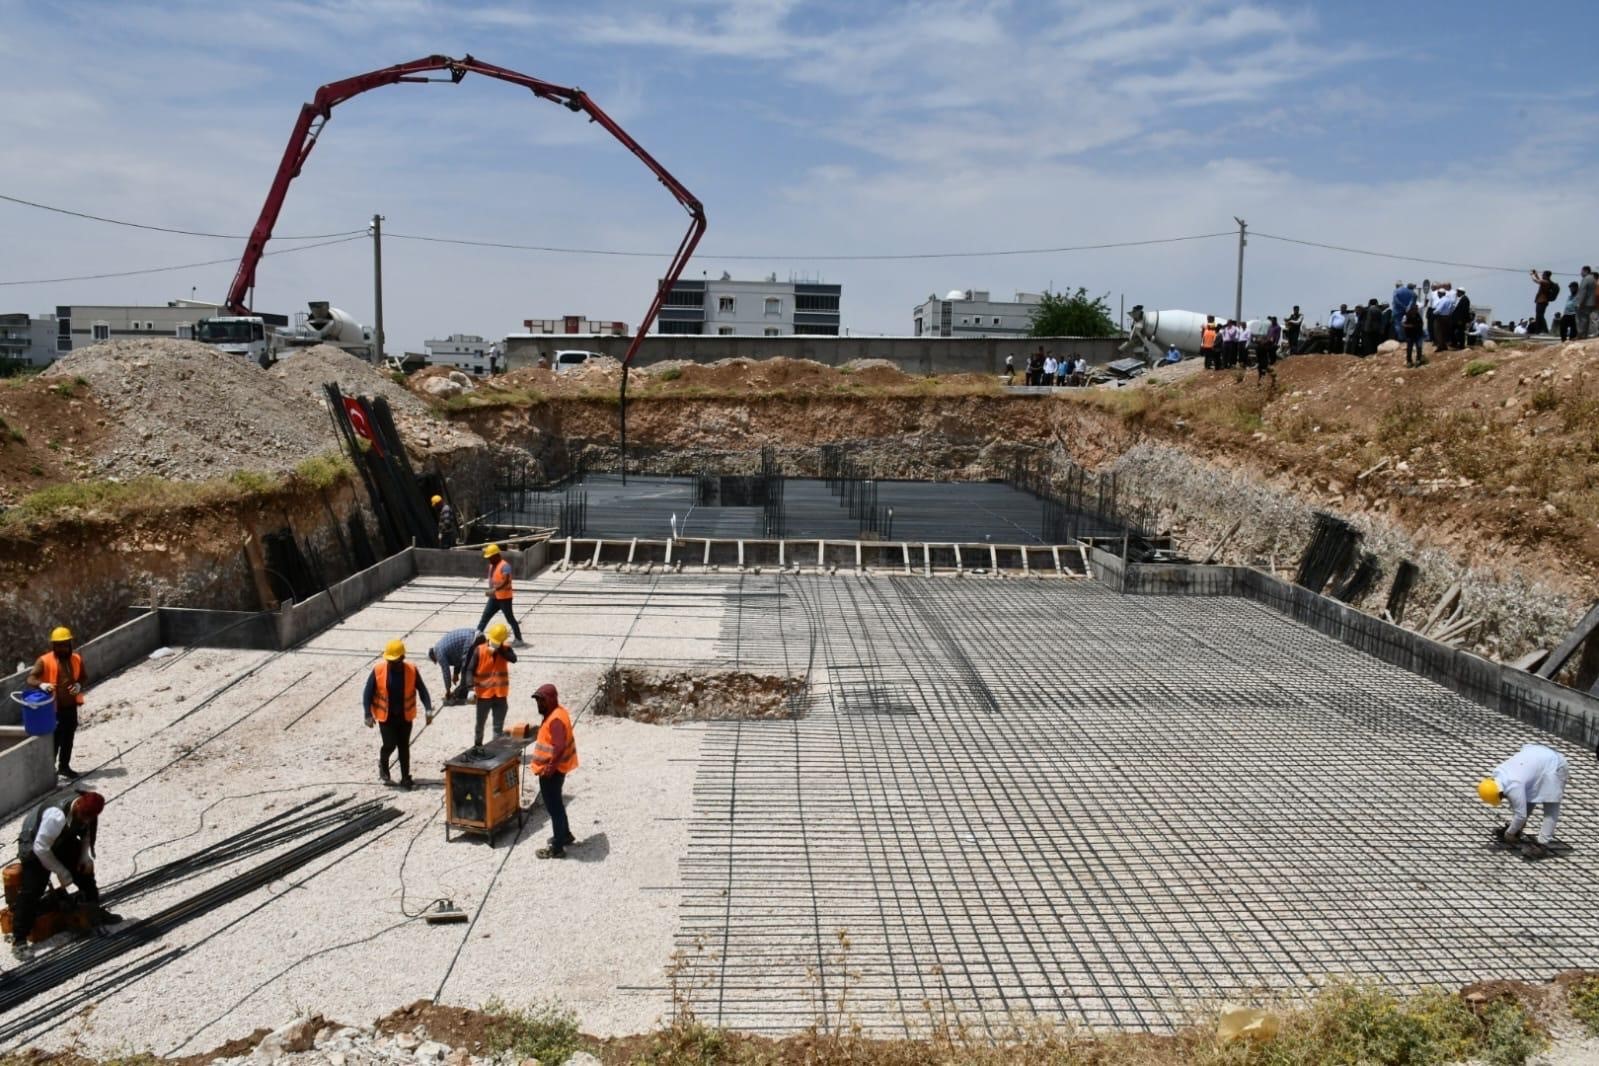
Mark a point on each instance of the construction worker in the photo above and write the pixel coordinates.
(453, 653)
(395, 681)
(500, 591)
(57, 838)
(554, 756)
(59, 671)
(1535, 774)
(491, 680)
(445, 515)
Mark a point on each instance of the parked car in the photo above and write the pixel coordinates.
(571, 358)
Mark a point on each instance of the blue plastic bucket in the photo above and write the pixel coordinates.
(38, 712)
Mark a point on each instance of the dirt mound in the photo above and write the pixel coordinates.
(49, 432)
(189, 412)
(307, 370)
(684, 697)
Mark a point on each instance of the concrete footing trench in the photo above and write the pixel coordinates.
(989, 799)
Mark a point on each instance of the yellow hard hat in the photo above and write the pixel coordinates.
(1488, 789)
(498, 632)
(394, 650)
(59, 634)
(491, 551)
(437, 500)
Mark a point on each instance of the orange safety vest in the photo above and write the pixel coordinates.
(48, 664)
(492, 676)
(1208, 337)
(380, 698)
(500, 579)
(546, 760)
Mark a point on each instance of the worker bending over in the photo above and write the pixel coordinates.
(57, 838)
(1535, 774)
(500, 591)
(453, 653)
(554, 756)
(390, 702)
(491, 681)
(59, 672)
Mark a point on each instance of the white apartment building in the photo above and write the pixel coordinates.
(724, 307)
(465, 352)
(973, 313)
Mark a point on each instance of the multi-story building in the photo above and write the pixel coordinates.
(971, 313)
(465, 351)
(770, 308)
(79, 325)
(27, 340)
(575, 324)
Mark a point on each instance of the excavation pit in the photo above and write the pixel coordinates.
(676, 698)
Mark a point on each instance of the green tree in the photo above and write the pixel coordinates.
(1073, 314)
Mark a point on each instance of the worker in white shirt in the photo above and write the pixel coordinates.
(1533, 775)
(57, 838)
(1051, 367)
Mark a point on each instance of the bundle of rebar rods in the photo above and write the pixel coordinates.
(319, 812)
(22, 984)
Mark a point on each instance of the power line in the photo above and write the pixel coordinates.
(1390, 255)
(808, 258)
(165, 229)
(181, 266)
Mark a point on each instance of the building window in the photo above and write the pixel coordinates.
(185, 331)
(772, 332)
(726, 304)
(774, 306)
(676, 298)
(63, 344)
(813, 301)
(101, 331)
(149, 325)
(996, 321)
(724, 331)
(918, 327)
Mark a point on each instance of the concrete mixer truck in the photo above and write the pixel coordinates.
(1151, 333)
(251, 337)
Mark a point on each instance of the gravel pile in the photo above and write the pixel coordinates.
(315, 1042)
(670, 699)
(188, 412)
(306, 370)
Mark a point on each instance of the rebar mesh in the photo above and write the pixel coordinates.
(1045, 798)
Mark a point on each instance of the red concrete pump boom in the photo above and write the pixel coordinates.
(314, 118)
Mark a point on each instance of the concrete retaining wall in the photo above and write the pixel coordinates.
(525, 562)
(27, 769)
(1567, 712)
(102, 657)
(914, 355)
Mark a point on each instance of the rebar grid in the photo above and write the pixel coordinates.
(1043, 798)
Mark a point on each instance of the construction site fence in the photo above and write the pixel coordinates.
(878, 556)
(1539, 702)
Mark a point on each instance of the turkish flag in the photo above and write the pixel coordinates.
(361, 424)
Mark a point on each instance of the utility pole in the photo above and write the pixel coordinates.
(377, 289)
(1238, 303)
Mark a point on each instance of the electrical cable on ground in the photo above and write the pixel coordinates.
(167, 229)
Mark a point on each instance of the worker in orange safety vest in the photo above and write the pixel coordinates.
(554, 756)
(490, 673)
(390, 698)
(59, 671)
(500, 591)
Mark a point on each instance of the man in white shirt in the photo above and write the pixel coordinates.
(1051, 367)
(1246, 339)
(1535, 774)
(57, 838)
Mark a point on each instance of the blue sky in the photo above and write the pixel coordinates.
(822, 128)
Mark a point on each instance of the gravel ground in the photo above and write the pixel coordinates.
(290, 727)
(188, 412)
